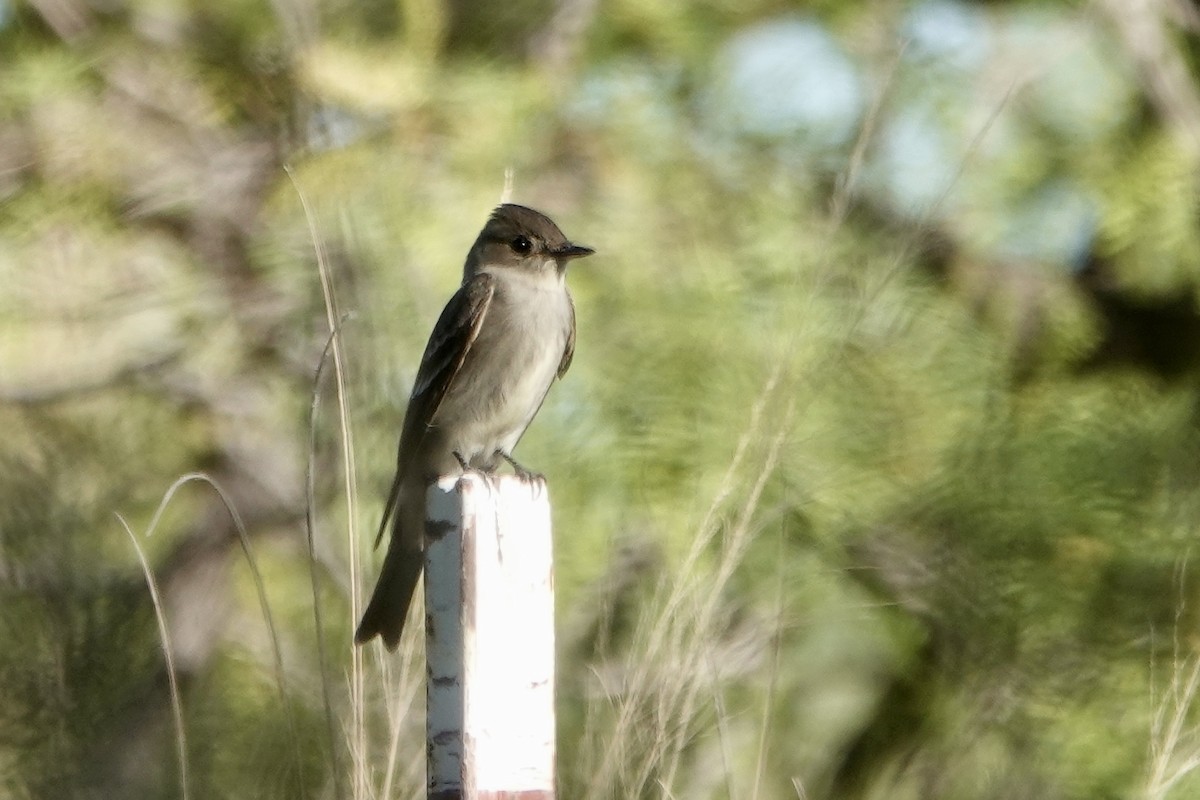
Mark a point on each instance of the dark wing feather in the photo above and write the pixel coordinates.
(451, 340)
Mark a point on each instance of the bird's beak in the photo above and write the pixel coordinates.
(571, 251)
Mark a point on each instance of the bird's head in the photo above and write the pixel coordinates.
(519, 238)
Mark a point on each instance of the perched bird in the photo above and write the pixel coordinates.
(500, 342)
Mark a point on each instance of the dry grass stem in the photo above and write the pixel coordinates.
(358, 749)
(164, 637)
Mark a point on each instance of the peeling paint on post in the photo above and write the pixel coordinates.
(489, 599)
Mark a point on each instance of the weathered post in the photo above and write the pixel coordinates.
(489, 600)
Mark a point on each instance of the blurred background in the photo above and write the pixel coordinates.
(875, 475)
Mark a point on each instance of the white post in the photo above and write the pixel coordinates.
(489, 600)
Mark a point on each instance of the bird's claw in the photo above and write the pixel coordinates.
(467, 469)
(526, 475)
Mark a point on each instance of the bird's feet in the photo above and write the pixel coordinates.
(467, 469)
(527, 475)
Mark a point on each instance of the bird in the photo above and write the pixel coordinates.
(501, 341)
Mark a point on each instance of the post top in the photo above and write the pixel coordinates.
(473, 482)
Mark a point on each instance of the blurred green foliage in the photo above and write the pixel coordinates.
(875, 474)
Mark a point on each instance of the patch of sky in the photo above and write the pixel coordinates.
(787, 79)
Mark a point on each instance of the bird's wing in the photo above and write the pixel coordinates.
(569, 351)
(451, 340)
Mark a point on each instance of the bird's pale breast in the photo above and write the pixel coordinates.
(509, 370)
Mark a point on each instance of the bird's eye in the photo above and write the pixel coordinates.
(521, 245)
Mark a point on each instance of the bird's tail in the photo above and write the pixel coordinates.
(393, 594)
